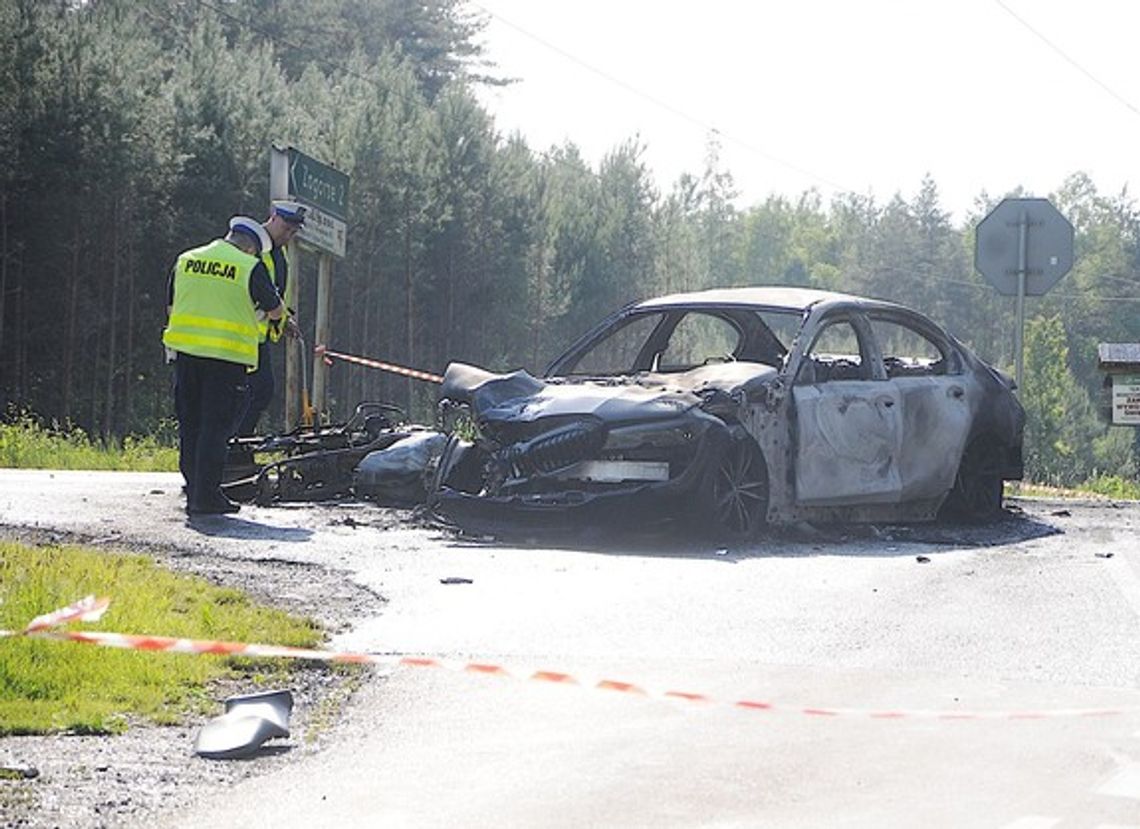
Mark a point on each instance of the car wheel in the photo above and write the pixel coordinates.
(739, 490)
(978, 487)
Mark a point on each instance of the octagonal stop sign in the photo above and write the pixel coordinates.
(1029, 234)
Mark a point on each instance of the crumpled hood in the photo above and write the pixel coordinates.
(520, 397)
(609, 404)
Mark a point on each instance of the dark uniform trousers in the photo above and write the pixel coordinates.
(206, 394)
(258, 394)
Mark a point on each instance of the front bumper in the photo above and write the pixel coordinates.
(572, 506)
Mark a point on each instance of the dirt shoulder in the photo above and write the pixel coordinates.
(130, 779)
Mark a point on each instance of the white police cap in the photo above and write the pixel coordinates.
(291, 211)
(252, 227)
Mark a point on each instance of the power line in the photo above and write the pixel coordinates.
(1131, 279)
(912, 274)
(906, 273)
(1092, 298)
(327, 63)
(1064, 56)
(664, 105)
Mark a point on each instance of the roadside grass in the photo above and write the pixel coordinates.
(51, 686)
(1113, 486)
(25, 443)
(1105, 486)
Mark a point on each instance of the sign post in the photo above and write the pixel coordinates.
(324, 191)
(279, 189)
(1023, 247)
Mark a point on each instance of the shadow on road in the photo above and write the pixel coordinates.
(674, 540)
(227, 526)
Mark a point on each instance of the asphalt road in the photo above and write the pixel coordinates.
(946, 677)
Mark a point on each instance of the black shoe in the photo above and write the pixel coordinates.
(219, 506)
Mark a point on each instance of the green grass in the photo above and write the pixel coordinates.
(1113, 486)
(27, 444)
(1107, 486)
(51, 686)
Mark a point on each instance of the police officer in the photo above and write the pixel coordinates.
(285, 219)
(214, 294)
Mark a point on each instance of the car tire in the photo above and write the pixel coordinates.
(737, 492)
(978, 486)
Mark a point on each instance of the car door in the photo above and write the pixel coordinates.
(847, 430)
(927, 371)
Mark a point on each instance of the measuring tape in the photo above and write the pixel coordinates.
(324, 351)
(91, 609)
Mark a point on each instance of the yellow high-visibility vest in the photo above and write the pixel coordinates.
(264, 330)
(213, 314)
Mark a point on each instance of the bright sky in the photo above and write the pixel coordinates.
(859, 95)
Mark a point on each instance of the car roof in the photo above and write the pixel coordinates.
(769, 296)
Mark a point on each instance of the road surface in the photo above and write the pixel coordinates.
(894, 676)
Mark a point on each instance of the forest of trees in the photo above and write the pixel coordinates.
(131, 130)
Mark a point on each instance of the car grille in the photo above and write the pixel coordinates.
(555, 450)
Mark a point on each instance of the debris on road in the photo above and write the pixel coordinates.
(18, 772)
(248, 722)
(396, 475)
(311, 464)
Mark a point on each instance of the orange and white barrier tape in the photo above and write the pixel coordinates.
(81, 611)
(416, 374)
(87, 609)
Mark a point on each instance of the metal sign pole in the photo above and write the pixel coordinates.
(294, 348)
(1019, 338)
(279, 189)
(1019, 263)
(320, 369)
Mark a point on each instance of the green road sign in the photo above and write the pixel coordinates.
(318, 185)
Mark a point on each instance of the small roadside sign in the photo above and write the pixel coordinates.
(324, 232)
(324, 190)
(318, 185)
(1126, 399)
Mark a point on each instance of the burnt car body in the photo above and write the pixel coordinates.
(740, 407)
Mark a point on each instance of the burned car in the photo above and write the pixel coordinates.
(738, 407)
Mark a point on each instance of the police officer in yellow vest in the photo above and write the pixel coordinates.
(286, 218)
(215, 292)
